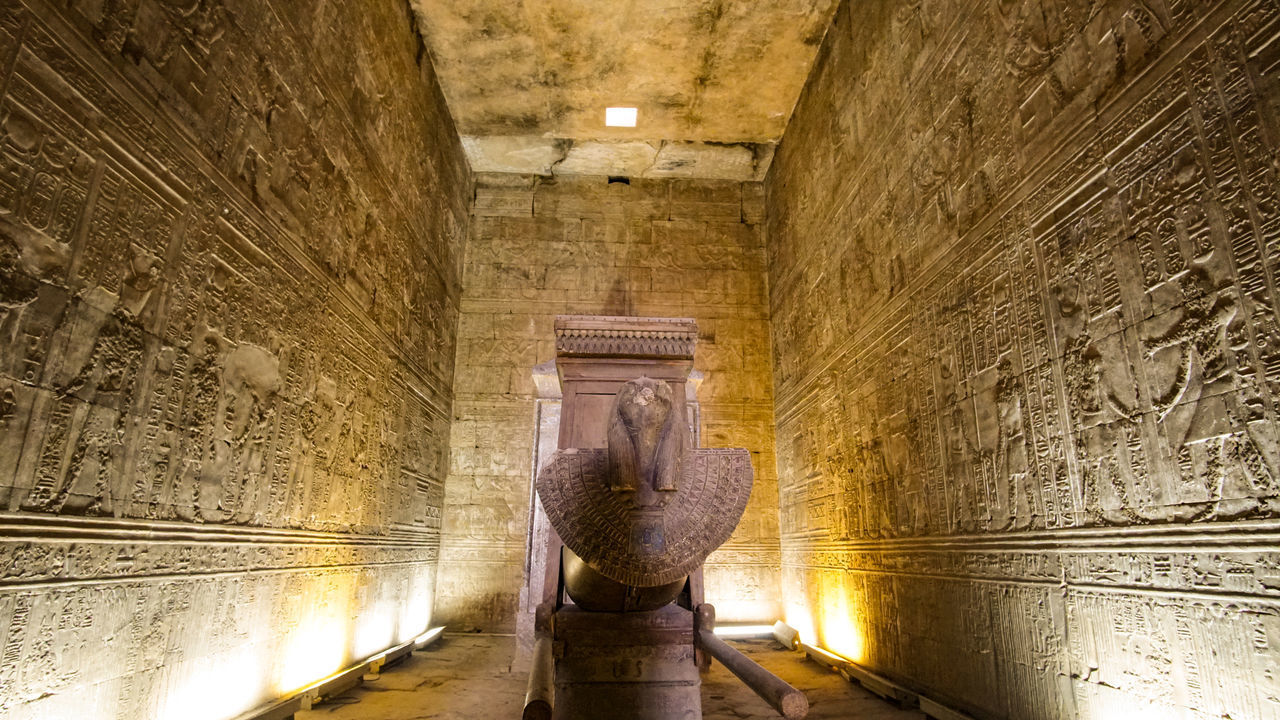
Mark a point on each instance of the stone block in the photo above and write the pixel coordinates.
(706, 200)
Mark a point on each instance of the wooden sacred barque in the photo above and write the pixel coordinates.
(622, 629)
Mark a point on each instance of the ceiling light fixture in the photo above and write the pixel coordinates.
(620, 117)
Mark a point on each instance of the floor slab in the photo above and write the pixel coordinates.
(466, 677)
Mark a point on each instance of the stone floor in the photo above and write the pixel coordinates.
(463, 677)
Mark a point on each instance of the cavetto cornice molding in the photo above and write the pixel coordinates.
(648, 337)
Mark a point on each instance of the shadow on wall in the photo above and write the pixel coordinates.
(618, 299)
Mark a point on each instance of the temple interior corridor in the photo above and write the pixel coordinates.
(983, 297)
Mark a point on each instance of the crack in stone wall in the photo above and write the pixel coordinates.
(230, 247)
(1022, 262)
(582, 245)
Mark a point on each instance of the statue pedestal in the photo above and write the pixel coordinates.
(625, 666)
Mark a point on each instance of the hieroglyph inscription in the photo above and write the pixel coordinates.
(226, 344)
(1050, 319)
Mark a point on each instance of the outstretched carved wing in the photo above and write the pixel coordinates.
(645, 546)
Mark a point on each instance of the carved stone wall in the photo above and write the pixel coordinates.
(230, 238)
(1023, 260)
(663, 248)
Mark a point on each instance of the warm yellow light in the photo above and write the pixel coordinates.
(314, 652)
(415, 612)
(620, 117)
(375, 631)
(841, 635)
(830, 657)
(217, 687)
(743, 631)
(841, 632)
(279, 644)
(799, 617)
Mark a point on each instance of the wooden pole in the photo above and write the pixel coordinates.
(788, 701)
(540, 695)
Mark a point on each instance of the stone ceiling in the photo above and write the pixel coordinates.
(715, 81)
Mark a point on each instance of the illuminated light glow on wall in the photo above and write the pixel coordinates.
(834, 625)
(323, 638)
(375, 631)
(799, 617)
(214, 658)
(312, 652)
(217, 687)
(342, 623)
(416, 610)
(743, 631)
(841, 633)
(841, 636)
(743, 611)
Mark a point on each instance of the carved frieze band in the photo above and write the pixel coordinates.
(736, 555)
(645, 337)
(74, 550)
(1243, 559)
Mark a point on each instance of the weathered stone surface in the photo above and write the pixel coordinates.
(714, 83)
(541, 155)
(230, 246)
(628, 665)
(584, 246)
(1026, 340)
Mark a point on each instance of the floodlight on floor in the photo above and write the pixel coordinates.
(787, 636)
(428, 637)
